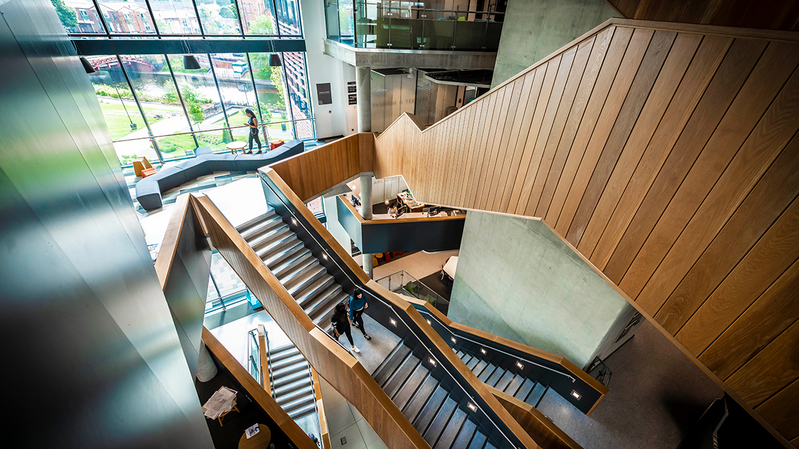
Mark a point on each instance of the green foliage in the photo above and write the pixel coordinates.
(227, 136)
(67, 14)
(195, 112)
(228, 12)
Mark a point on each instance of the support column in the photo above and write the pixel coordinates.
(363, 88)
(366, 201)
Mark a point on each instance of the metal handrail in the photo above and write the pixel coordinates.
(298, 221)
(201, 131)
(403, 273)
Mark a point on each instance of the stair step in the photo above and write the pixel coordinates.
(466, 359)
(398, 379)
(504, 381)
(495, 376)
(472, 363)
(278, 354)
(280, 381)
(420, 398)
(304, 411)
(267, 234)
(479, 368)
(290, 369)
(513, 385)
(247, 227)
(284, 362)
(275, 240)
(278, 246)
(440, 421)
(323, 313)
(430, 409)
(524, 390)
(465, 435)
(298, 403)
(487, 372)
(296, 394)
(322, 298)
(285, 388)
(301, 257)
(410, 386)
(309, 293)
(390, 364)
(537, 394)
(490, 446)
(282, 252)
(461, 354)
(478, 441)
(447, 438)
(304, 279)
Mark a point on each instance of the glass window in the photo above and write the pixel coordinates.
(257, 17)
(199, 93)
(294, 66)
(288, 17)
(219, 17)
(122, 116)
(238, 94)
(131, 17)
(175, 17)
(273, 97)
(78, 16)
(153, 84)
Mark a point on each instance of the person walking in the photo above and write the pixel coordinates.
(341, 325)
(253, 124)
(358, 305)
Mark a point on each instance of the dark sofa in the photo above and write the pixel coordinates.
(149, 189)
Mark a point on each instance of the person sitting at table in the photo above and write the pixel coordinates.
(392, 209)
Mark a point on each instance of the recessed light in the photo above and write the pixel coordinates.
(519, 364)
(576, 395)
(293, 221)
(432, 361)
(483, 350)
(453, 340)
(472, 407)
(428, 322)
(324, 256)
(393, 322)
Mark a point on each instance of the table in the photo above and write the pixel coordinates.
(259, 441)
(409, 201)
(235, 146)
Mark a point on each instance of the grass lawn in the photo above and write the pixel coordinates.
(118, 122)
(176, 146)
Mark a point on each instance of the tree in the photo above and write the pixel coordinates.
(228, 12)
(260, 61)
(67, 14)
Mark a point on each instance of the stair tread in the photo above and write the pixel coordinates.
(472, 363)
(401, 375)
(487, 372)
(294, 265)
(286, 361)
(447, 438)
(272, 241)
(440, 421)
(298, 403)
(420, 398)
(495, 376)
(502, 381)
(289, 369)
(280, 381)
(282, 352)
(281, 252)
(513, 385)
(391, 363)
(407, 390)
(478, 441)
(535, 396)
(480, 367)
(247, 225)
(286, 397)
(303, 411)
(524, 390)
(295, 384)
(430, 409)
(316, 307)
(465, 435)
(300, 282)
(292, 257)
(309, 293)
(322, 315)
(267, 233)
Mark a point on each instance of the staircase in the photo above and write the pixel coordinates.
(427, 404)
(519, 387)
(292, 387)
(294, 266)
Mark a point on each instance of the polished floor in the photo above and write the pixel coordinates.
(656, 395)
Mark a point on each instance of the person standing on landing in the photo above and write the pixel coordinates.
(341, 324)
(253, 124)
(358, 305)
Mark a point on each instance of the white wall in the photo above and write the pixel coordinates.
(331, 119)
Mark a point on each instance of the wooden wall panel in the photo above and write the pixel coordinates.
(668, 155)
(772, 14)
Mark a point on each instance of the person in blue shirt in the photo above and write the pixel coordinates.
(358, 305)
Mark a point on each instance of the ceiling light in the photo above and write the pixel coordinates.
(87, 66)
(190, 62)
(274, 60)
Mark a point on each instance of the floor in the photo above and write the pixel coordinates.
(656, 395)
(418, 265)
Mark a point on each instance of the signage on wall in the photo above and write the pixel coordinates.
(352, 97)
(324, 94)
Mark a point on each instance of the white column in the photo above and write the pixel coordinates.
(363, 88)
(366, 211)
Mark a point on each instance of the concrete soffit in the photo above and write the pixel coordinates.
(380, 58)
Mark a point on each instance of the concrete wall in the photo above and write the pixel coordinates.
(535, 28)
(331, 119)
(518, 280)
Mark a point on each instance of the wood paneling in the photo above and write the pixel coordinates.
(772, 14)
(544, 431)
(667, 155)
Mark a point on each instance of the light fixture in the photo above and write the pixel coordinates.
(87, 66)
(453, 340)
(472, 407)
(576, 395)
(274, 60)
(519, 364)
(428, 322)
(393, 322)
(190, 62)
(293, 221)
(432, 361)
(483, 350)
(324, 256)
